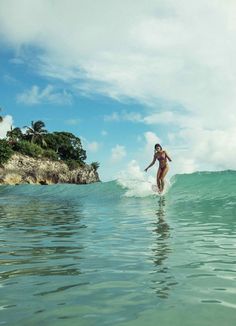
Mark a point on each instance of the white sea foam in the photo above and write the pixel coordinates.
(141, 188)
(136, 188)
(138, 183)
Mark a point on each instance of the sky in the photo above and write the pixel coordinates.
(123, 76)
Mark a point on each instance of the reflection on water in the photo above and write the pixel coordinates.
(76, 255)
(163, 279)
(162, 231)
(40, 238)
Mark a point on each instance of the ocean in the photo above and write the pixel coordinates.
(115, 253)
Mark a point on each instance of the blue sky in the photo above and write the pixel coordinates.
(123, 76)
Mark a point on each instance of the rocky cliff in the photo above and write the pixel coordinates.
(22, 169)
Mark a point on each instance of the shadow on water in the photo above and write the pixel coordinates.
(163, 279)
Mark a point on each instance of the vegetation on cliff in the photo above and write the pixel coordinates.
(5, 151)
(37, 142)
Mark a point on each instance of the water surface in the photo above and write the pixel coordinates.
(91, 255)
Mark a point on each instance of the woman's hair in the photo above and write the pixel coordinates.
(157, 145)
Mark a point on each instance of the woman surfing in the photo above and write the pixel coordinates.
(162, 156)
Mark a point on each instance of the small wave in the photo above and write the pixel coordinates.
(203, 186)
(140, 188)
(196, 187)
(136, 188)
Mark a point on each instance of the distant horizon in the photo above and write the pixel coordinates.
(124, 76)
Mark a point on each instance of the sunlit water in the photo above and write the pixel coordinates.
(91, 255)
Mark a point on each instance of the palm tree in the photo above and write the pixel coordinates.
(95, 165)
(36, 132)
(14, 134)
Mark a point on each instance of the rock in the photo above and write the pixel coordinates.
(22, 169)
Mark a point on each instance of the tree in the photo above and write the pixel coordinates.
(95, 165)
(27, 148)
(36, 133)
(5, 151)
(14, 134)
(67, 145)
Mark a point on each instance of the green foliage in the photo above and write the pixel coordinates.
(50, 154)
(15, 134)
(37, 142)
(67, 145)
(5, 151)
(35, 133)
(95, 165)
(72, 164)
(27, 148)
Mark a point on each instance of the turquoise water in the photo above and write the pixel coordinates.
(102, 254)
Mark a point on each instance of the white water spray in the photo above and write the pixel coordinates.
(138, 183)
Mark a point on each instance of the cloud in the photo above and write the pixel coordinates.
(48, 94)
(124, 116)
(112, 117)
(133, 172)
(16, 61)
(118, 153)
(147, 53)
(180, 53)
(151, 139)
(207, 148)
(8, 79)
(73, 122)
(5, 125)
(165, 117)
(93, 146)
(104, 133)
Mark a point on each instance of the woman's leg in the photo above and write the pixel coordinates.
(158, 179)
(162, 177)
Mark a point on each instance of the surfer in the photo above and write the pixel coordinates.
(162, 156)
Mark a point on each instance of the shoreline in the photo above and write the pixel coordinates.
(21, 169)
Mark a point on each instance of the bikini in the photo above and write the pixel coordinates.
(161, 158)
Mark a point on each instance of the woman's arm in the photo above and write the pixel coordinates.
(151, 164)
(167, 156)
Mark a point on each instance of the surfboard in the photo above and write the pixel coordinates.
(156, 190)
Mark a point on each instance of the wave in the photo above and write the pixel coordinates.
(203, 185)
(195, 187)
(182, 187)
